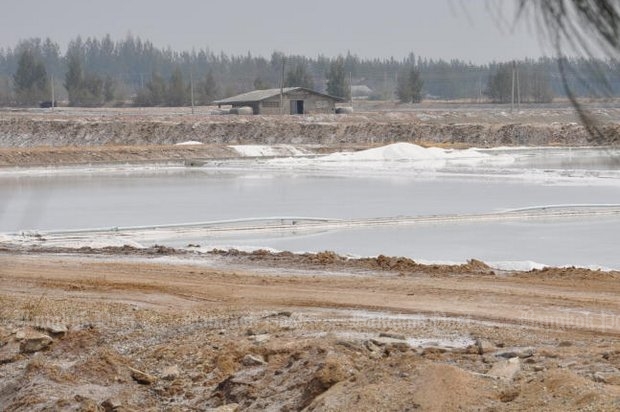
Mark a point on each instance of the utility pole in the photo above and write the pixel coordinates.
(518, 91)
(385, 85)
(512, 99)
(53, 98)
(191, 87)
(351, 88)
(282, 87)
(393, 95)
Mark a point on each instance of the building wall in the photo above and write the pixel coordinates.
(312, 103)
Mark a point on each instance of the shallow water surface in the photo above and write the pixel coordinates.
(347, 189)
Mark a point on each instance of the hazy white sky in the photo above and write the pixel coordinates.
(465, 29)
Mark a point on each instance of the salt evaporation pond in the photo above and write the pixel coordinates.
(395, 180)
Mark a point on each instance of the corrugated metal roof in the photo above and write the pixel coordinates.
(260, 95)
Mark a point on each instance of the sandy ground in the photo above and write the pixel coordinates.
(159, 330)
(103, 155)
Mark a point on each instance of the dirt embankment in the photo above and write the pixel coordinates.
(85, 332)
(60, 156)
(467, 128)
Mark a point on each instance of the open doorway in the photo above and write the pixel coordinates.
(297, 107)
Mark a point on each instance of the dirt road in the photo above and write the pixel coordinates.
(267, 332)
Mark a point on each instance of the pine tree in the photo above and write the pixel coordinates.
(176, 95)
(30, 79)
(153, 93)
(84, 89)
(540, 86)
(299, 77)
(208, 90)
(157, 90)
(92, 90)
(260, 84)
(109, 89)
(499, 86)
(532, 83)
(5, 90)
(336, 80)
(74, 79)
(409, 88)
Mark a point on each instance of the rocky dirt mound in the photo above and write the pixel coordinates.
(329, 261)
(32, 130)
(87, 333)
(93, 155)
(145, 360)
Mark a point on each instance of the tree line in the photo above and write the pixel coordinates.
(98, 72)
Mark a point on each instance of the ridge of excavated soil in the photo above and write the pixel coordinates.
(70, 136)
(493, 127)
(80, 136)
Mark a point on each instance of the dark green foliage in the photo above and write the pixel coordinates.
(177, 91)
(336, 80)
(84, 89)
(409, 89)
(174, 93)
(30, 80)
(131, 63)
(299, 77)
(207, 89)
(260, 84)
(539, 89)
(74, 79)
(5, 90)
(531, 81)
(109, 89)
(154, 93)
(499, 88)
(92, 89)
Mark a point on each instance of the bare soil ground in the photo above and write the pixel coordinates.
(72, 136)
(161, 330)
(97, 155)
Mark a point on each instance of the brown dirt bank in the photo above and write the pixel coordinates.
(91, 333)
(72, 127)
(324, 261)
(50, 156)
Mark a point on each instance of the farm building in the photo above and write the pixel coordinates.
(294, 100)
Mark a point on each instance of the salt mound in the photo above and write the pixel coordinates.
(518, 266)
(405, 151)
(267, 151)
(188, 143)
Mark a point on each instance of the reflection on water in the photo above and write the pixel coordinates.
(564, 158)
(75, 202)
(587, 242)
(252, 189)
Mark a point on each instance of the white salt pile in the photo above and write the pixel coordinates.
(405, 151)
(188, 143)
(267, 151)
